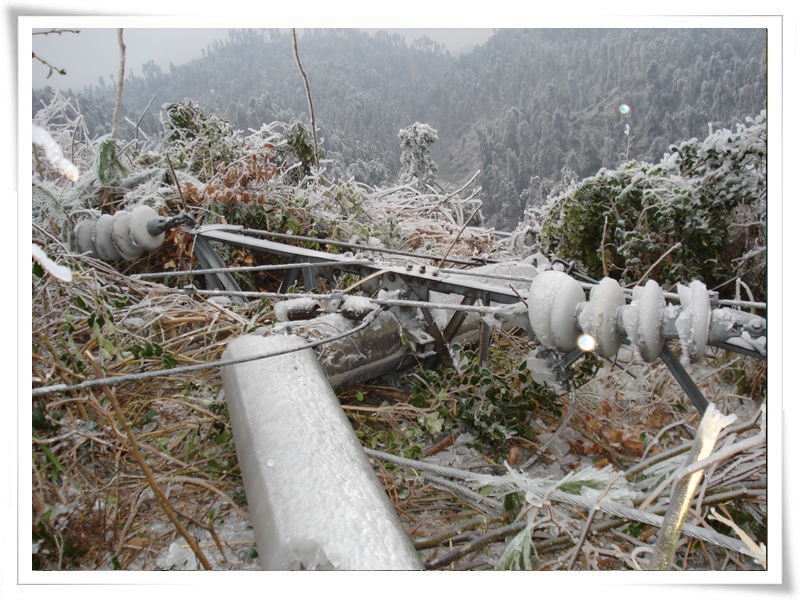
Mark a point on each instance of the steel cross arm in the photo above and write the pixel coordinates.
(684, 379)
(417, 275)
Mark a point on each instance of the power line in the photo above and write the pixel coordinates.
(190, 368)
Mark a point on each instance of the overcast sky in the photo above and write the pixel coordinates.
(94, 52)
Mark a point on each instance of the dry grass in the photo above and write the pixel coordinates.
(89, 492)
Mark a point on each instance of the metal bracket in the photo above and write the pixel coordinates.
(209, 259)
(684, 379)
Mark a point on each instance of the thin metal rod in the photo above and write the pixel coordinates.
(387, 302)
(246, 269)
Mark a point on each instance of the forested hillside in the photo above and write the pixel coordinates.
(523, 105)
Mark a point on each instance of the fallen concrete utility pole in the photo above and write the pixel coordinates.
(314, 498)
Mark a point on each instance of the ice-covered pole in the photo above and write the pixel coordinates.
(314, 498)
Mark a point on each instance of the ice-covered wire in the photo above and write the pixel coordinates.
(384, 302)
(381, 249)
(422, 466)
(285, 267)
(522, 279)
(190, 368)
(483, 503)
(588, 286)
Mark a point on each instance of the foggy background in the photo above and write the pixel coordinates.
(525, 109)
(94, 52)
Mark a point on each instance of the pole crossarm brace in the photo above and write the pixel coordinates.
(726, 328)
(414, 275)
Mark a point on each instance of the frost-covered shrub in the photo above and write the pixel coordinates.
(296, 153)
(704, 205)
(109, 164)
(202, 141)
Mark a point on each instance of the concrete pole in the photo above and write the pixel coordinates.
(313, 495)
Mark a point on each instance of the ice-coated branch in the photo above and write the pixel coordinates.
(542, 494)
(56, 270)
(54, 154)
(310, 103)
(119, 84)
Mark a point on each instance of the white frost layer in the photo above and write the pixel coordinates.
(542, 374)
(179, 557)
(759, 344)
(56, 270)
(357, 307)
(313, 495)
(221, 301)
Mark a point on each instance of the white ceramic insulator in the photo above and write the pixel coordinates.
(544, 289)
(121, 236)
(693, 321)
(84, 234)
(102, 239)
(540, 305)
(651, 305)
(140, 216)
(564, 317)
(599, 318)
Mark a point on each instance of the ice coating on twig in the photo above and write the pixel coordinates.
(56, 270)
(53, 153)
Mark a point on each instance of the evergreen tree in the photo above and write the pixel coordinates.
(418, 167)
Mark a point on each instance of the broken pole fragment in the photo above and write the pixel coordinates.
(313, 495)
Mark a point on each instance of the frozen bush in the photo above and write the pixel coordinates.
(706, 202)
